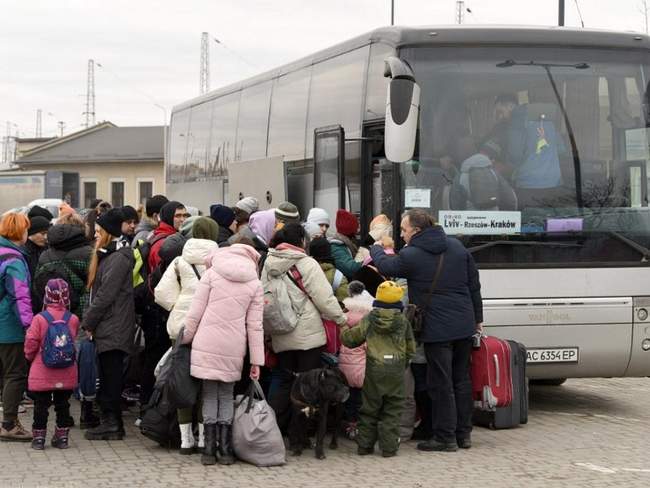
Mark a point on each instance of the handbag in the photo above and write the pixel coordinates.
(256, 437)
(183, 388)
(415, 314)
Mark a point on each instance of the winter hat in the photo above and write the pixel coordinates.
(380, 226)
(318, 216)
(38, 224)
(250, 205)
(356, 288)
(154, 204)
(186, 228)
(168, 210)
(262, 224)
(205, 228)
(347, 223)
(57, 292)
(39, 211)
(321, 250)
(389, 292)
(222, 215)
(64, 209)
(312, 230)
(287, 212)
(130, 213)
(111, 221)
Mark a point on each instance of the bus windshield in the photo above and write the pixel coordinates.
(534, 156)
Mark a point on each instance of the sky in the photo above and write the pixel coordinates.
(149, 51)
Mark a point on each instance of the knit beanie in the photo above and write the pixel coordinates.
(250, 205)
(168, 210)
(318, 216)
(321, 250)
(380, 226)
(39, 211)
(222, 215)
(154, 204)
(57, 292)
(347, 223)
(111, 221)
(389, 292)
(130, 213)
(38, 224)
(205, 228)
(287, 212)
(356, 288)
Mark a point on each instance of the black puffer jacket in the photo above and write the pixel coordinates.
(111, 314)
(456, 306)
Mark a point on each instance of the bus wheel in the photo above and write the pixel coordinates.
(549, 382)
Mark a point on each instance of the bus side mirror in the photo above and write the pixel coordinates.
(402, 110)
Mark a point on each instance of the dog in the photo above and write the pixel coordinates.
(313, 394)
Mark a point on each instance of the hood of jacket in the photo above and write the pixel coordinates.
(236, 263)
(146, 224)
(164, 229)
(262, 224)
(7, 245)
(281, 259)
(197, 250)
(66, 237)
(172, 247)
(433, 240)
(359, 303)
(385, 321)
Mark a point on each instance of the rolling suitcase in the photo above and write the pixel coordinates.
(491, 374)
(517, 412)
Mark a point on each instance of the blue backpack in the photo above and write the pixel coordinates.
(58, 346)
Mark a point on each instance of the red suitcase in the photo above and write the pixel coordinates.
(491, 374)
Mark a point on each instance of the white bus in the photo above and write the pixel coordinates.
(528, 144)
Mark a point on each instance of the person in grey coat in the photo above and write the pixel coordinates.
(110, 319)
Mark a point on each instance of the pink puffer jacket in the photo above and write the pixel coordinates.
(352, 362)
(226, 315)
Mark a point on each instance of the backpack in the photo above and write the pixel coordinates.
(58, 349)
(279, 315)
(142, 293)
(57, 269)
(483, 187)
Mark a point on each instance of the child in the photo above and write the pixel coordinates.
(352, 362)
(390, 346)
(53, 371)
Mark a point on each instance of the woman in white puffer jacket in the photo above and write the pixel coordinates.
(174, 293)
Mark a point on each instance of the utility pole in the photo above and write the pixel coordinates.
(39, 123)
(5, 146)
(644, 11)
(90, 96)
(560, 18)
(460, 12)
(392, 12)
(204, 74)
(61, 125)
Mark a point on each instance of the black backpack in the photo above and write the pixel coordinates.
(483, 187)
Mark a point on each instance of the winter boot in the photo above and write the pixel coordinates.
(60, 437)
(187, 439)
(88, 418)
(226, 455)
(209, 456)
(110, 429)
(201, 440)
(38, 439)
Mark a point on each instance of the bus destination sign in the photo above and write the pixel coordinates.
(480, 222)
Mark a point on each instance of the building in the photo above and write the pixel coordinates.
(122, 165)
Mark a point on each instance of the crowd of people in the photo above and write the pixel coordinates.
(106, 273)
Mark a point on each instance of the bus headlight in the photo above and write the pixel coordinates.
(645, 345)
(642, 314)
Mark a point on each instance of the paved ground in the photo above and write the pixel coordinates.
(586, 433)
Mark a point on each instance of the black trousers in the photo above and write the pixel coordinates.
(42, 402)
(451, 388)
(279, 395)
(111, 382)
(156, 344)
(13, 366)
(423, 397)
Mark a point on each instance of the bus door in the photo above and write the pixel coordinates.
(329, 158)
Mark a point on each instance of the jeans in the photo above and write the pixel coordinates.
(42, 402)
(14, 379)
(451, 389)
(218, 402)
(111, 383)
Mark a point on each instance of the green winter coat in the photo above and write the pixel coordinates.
(341, 293)
(388, 337)
(343, 252)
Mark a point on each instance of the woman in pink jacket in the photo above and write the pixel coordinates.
(225, 315)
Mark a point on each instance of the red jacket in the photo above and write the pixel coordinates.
(42, 378)
(162, 229)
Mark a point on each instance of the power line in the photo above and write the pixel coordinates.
(235, 54)
(582, 22)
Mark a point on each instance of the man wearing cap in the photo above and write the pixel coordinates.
(37, 241)
(286, 213)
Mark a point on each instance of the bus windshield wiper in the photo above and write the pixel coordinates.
(523, 243)
(640, 248)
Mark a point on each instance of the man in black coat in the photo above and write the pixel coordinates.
(453, 313)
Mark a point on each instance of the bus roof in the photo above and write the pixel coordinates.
(448, 35)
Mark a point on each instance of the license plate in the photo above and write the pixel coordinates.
(553, 355)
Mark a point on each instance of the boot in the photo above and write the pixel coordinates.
(226, 455)
(60, 437)
(187, 439)
(209, 456)
(38, 439)
(109, 429)
(88, 419)
(201, 440)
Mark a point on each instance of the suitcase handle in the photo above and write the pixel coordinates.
(496, 366)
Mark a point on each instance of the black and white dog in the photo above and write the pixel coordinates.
(314, 394)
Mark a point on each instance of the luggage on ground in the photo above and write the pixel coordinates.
(183, 388)
(87, 369)
(491, 374)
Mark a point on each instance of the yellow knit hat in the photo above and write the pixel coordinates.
(389, 292)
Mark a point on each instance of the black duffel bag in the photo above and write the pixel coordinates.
(159, 420)
(183, 389)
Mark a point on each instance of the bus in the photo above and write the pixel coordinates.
(530, 145)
